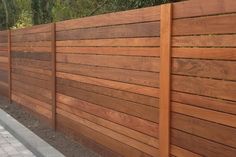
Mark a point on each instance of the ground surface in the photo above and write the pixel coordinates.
(11, 147)
(63, 143)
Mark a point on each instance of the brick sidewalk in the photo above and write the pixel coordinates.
(11, 147)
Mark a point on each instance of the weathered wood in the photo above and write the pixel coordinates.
(165, 71)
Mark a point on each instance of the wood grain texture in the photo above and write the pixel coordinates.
(198, 145)
(131, 108)
(149, 91)
(222, 24)
(132, 122)
(195, 8)
(116, 42)
(126, 51)
(123, 149)
(124, 17)
(205, 86)
(113, 126)
(124, 62)
(150, 29)
(121, 75)
(165, 71)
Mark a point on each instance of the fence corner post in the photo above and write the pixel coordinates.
(9, 66)
(165, 74)
(53, 70)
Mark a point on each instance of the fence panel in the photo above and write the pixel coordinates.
(204, 79)
(4, 64)
(31, 68)
(108, 79)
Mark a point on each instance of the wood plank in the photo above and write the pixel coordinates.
(108, 124)
(208, 130)
(202, 8)
(205, 68)
(32, 69)
(205, 114)
(33, 89)
(128, 76)
(4, 59)
(17, 97)
(3, 66)
(205, 53)
(149, 91)
(3, 54)
(220, 24)
(53, 77)
(3, 89)
(180, 152)
(31, 74)
(142, 99)
(124, 139)
(32, 63)
(198, 145)
(29, 92)
(31, 30)
(149, 29)
(114, 145)
(127, 51)
(32, 44)
(9, 66)
(131, 122)
(131, 108)
(165, 72)
(31, 49)
(4, 76)
(30, 55)
(121, 42)
(205, 102)
(204, 86)
(124, 17)
(32, 81)
(31, 37)
(134, 63)
(205, 41)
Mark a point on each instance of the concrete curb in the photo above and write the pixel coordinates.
(31, 141)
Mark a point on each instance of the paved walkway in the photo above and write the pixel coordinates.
(11, 147)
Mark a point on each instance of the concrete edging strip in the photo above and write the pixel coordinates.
(35, 144)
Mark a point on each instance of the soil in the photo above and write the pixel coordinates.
(65, 144)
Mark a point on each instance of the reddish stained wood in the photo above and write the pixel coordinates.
(205, 53)
(122, 138)
(205, 114)
(117, 42)
(135, 123)
(165, 66)
(127, 51)
(180, 152)
(202, 7)
(149, 91)
(149, 29)
(205, 41)
(9, 66)
(53, 81)
(220, 24)
(124, 17)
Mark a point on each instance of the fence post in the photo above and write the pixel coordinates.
(165, 73)
(53, 60)
(9, 66)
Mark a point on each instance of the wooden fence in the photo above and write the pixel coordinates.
(152, 82)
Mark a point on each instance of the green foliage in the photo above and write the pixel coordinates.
(23, 13)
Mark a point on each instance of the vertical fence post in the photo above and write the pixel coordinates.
(53, 59)
(9, 65)
(165, 73)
